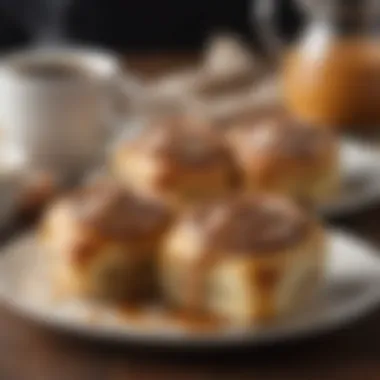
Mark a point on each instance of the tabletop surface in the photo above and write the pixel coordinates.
(28, 351)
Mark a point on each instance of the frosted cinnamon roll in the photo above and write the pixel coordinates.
(178, 160)
(103, 241)
(280, 155)
(247, 260)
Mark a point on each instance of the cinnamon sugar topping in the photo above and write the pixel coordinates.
(117, 213)
(184, 143)
(261, 224)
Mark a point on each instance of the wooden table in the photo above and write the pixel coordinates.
(29, 352)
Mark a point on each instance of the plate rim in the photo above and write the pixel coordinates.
(363, 201)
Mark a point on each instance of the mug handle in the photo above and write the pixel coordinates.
(126, 91)
(130, 88)
(263, 14)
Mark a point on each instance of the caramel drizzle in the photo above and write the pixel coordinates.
(266, 278)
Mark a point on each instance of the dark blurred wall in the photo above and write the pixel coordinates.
(143, 24)
(147, 24)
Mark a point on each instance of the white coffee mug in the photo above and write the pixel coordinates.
(12, 174)
(60, 124)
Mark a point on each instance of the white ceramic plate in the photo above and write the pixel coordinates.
(361, 178)
(352, 288)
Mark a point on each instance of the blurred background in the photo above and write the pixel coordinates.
(134, 25)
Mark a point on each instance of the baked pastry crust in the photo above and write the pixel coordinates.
(180, 160)
(102, 241)
(280, 155)
(248, 260)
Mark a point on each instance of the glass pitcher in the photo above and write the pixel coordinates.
(331, 75)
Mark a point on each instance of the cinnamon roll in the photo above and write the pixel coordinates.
(103, 242)
(178, 160)
(247, 260)
(280, 155)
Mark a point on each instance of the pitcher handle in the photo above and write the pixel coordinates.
(126, 92)
(263, 14)
(130, 87)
